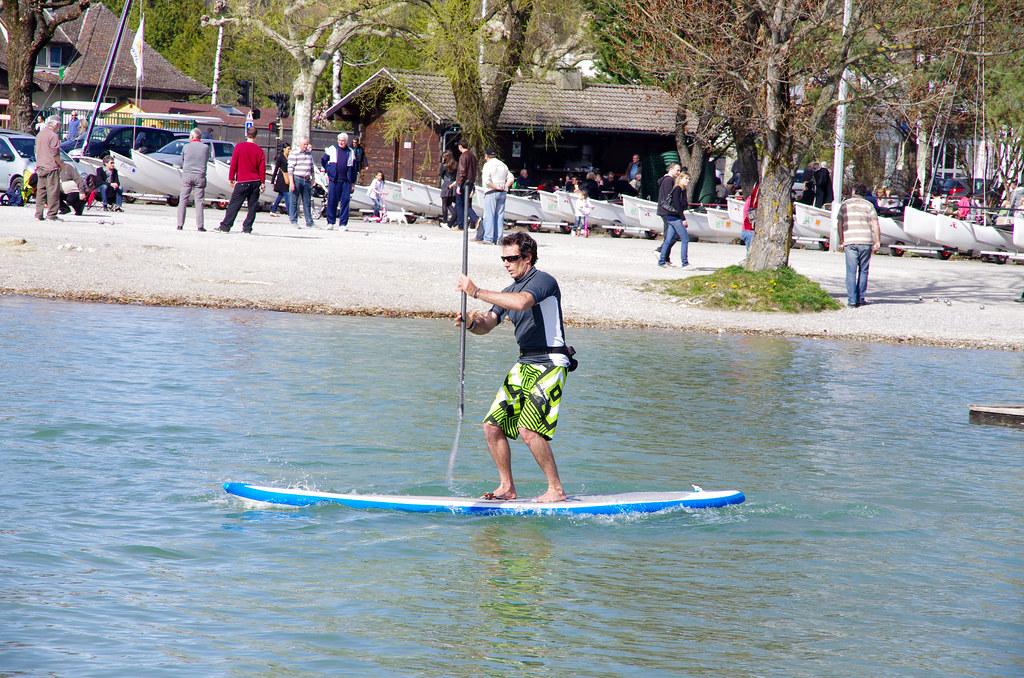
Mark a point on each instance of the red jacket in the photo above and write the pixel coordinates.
(248, 163)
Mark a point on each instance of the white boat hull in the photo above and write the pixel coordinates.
(165, 179)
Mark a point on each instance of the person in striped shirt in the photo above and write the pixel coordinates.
(859, 236)
(300, 182)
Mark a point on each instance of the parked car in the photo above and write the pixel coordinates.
(17, 154)
(121, 139)
(171, 153)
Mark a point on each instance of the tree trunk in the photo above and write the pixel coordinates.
(302, 94)
(773, 232)
(746, 155)
(691, 154)
(26, 37)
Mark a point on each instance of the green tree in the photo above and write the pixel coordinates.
(482, 49)
(309, 33)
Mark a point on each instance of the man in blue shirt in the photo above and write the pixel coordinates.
(527, 403)
(74, 126)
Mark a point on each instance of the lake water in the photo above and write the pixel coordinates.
(882, 533)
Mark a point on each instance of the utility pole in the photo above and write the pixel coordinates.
(839, 162)
(219, 8)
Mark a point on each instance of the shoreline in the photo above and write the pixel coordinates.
(397, 270)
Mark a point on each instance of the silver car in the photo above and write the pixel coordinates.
(171, 153)
(17, 154)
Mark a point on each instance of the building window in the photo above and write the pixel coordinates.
(49, 57)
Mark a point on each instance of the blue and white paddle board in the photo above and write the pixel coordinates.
(581, 504)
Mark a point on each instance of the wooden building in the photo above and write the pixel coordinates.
(550, 129)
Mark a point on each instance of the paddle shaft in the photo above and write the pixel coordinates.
(462, 333)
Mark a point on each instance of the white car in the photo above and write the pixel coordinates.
(17, 154)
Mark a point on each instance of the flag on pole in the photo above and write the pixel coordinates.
(137, 49)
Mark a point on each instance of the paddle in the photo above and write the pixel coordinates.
(462, 334)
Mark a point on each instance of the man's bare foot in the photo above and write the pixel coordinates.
(501, 494)
(551, 496)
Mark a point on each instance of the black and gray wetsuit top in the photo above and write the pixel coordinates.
(539, 326)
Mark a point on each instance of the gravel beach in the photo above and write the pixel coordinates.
(138, 256)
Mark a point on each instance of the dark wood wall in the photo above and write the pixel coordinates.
(416, 155)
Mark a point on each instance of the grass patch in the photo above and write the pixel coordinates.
(737, 289)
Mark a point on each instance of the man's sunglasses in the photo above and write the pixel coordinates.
(513, 258)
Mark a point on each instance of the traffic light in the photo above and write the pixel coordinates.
(272, 127)
(282, 104)
(243, 92)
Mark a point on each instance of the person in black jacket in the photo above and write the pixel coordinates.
(280, 180)
(665, 185)
(675, 221)
(822, 185)
(109, 185)
(446, 173)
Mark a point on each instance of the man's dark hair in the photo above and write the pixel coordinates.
(860, 189)
(527, 245)
(463, 144)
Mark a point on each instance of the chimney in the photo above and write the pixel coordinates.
(570, 78)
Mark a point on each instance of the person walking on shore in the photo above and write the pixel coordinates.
(247, 174)
(300, 182)
(340, 163)
(48, 166)
(497, 180)
(280, 180)
(675, 206)
(665, 185)
(859, 235)
(527, 402)
(195, 156)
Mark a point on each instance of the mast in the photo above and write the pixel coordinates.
(105, 80)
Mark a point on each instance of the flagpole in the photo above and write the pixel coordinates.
(138, 56)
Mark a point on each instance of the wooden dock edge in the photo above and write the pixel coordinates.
(997, 415)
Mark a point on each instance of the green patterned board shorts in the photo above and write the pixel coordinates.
(528, 399)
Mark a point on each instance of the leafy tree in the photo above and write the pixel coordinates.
(30, 24)
(309, 33)
(778, 64)
(483, 49)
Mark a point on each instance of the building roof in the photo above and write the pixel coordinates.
(92, 35)
(538, 104)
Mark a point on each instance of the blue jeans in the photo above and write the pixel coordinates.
(675, 230)
(378, 204)
(858, 258)
(302, 190)
(283, 195)
(494, 215)
(460, 205)
(338, 195)
(747, 237)
(105, 194)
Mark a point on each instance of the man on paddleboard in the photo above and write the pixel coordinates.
(527, 403)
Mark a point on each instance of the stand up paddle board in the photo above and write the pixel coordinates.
(581, 504)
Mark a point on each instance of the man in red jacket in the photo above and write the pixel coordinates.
(247, 174)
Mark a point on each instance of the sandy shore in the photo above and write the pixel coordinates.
(393, 269)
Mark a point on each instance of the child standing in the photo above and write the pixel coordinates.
(375, 192)
(582, 212)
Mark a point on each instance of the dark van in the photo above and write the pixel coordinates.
(122, 139)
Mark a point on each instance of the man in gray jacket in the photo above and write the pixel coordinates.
(194, 158)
